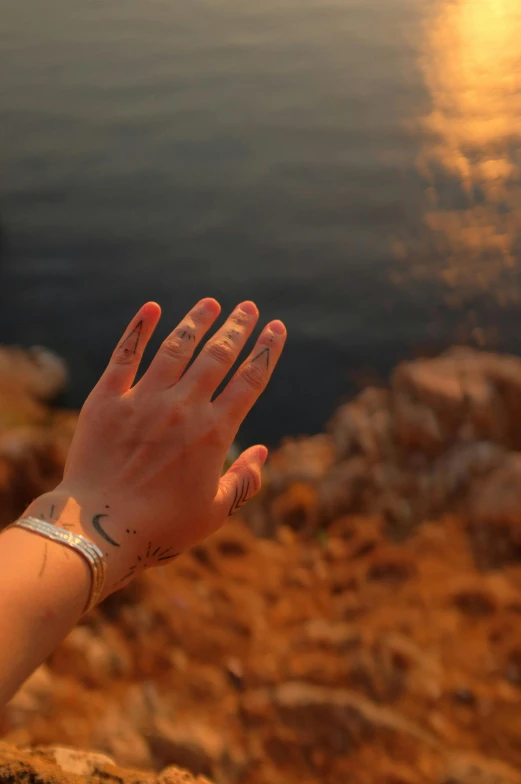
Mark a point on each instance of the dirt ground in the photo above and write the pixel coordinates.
(343, 645)
(341, 659)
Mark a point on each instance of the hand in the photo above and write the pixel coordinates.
(146, 460)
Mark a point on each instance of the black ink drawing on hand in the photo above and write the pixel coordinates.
(188, 334)
(97, 527)
(265, 354)
(44, 562)
(240, 497)
(132, 339)
(232, 334)
(147, 561)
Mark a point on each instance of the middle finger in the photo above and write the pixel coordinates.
(220, 353)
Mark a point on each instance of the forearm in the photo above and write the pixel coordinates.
(43, 590)
(44, 587)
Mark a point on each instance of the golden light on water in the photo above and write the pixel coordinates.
(470, 155)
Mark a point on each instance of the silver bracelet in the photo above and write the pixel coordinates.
(87, 549)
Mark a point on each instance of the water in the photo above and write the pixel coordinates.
(352, 165)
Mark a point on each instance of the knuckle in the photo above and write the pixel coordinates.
(221, 350)
(174, 348)
(125, 356)
(176, 413)
(213, 436)
(91, 405)
(254, 376)
(240, 319)
(98, 409)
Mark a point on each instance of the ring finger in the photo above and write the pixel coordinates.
(219, 354)
(252, 377)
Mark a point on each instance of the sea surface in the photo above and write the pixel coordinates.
(352, 165)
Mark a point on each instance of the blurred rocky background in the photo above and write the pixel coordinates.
(361, 623)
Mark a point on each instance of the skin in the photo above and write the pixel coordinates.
(143, 475)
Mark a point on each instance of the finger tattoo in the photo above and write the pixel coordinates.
(130, 343)
(264, 356)
(187, 334)
(241, 497)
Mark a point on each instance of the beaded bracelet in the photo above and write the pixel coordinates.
(87, 549)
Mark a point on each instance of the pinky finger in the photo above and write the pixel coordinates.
(252, 377)
(126, 357)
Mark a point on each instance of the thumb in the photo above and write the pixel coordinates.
(241, 482)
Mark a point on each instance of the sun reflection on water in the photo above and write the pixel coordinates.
(470, 152)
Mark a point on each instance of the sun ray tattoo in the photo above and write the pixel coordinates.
(240, 497)
(150, 559)
(163, 555)
(130, 343)
(44, 562)
(188, 334)
(45, 551)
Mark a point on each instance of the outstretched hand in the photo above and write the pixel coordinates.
(146, 460)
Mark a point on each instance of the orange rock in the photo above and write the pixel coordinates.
(375, 638)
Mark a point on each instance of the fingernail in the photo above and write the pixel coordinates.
(210, 304)
(248, 307)
(277, 327)
(262, 453)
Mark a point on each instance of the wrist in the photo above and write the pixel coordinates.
(82, 516)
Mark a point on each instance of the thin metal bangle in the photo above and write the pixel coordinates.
(87, 549)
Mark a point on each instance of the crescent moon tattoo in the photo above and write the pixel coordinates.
(97, 527)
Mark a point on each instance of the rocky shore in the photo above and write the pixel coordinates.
(361, 623)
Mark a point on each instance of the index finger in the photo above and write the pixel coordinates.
(251, 379)
(121, 371)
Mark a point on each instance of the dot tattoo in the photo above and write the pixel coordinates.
(232, 334)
